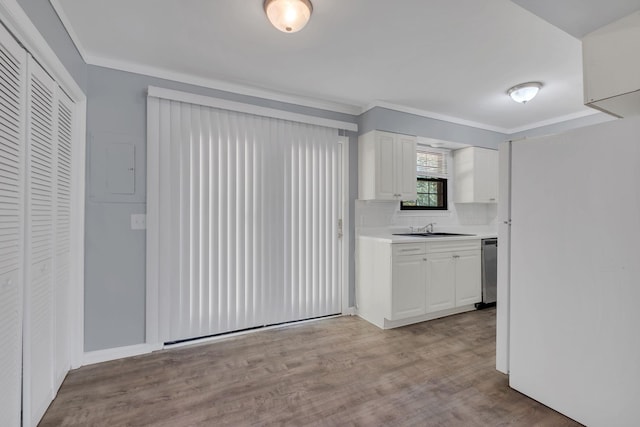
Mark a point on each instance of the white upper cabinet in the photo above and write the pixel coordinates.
(475, 175)
(611, 67)
(386, 166)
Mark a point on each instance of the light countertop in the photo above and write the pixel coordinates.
(388, 236)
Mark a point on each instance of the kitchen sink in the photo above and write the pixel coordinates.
(436, 234)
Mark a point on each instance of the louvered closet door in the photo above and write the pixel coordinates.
(12, 125)
(62, 235)
(41, 187)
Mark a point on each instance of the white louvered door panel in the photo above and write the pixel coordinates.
(41, 186)
(12, 126)
(62, 235)
(247, 219)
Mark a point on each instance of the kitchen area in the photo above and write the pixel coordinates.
(426, 228)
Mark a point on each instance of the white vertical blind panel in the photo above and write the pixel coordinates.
(41, 122)
(12, 125)
(62, 291)
(247, 222)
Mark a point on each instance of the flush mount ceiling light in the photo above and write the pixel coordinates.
(288, 16)
(524, 92)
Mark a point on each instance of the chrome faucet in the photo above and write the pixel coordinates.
(426, 229)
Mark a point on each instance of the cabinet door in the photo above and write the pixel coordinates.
(408, 287)
(385, 167)
(467, 278)
(441, 287)
(486, 176)
(492, 176)
(406, 167)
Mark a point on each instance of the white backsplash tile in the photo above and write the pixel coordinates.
(381, 214)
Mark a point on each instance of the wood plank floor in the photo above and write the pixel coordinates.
(335, 372)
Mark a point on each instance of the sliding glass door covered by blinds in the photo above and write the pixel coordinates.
(248, 212)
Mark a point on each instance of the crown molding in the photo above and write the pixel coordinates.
(248, 90)
(432, 115)
(555, 120)
(478, 125)
(66, 23)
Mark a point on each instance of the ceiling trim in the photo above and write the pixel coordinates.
(432, 115)
(478, 125)
(272, 95)
(161, 73)
(555, 120)
(66, 23)
(192, 98)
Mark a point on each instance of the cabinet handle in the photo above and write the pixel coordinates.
(409, 250)
(424, 259)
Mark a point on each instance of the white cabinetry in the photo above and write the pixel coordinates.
(475, 175)
(468, 283)
(403, 283)
(611, 66)
(440, 279)
(386, 166)
(408, 291)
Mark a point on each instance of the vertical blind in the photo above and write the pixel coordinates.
(247, 213)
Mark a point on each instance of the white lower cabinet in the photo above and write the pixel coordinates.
(440, 282)
(408, 294)
(468, 283)
(403, 283)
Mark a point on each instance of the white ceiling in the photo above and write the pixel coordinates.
(451, 59)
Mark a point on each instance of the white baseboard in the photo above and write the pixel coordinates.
(389, 324)
(106, 355)
(351, 311)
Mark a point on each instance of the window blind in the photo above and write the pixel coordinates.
(431, 162)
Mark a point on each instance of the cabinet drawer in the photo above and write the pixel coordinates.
(453, 246)
(401, 249)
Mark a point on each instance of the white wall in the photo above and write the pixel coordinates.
(575, 272)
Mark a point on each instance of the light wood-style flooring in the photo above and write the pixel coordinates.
(334, 372)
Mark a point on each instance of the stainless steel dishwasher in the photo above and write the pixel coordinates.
(489, 273)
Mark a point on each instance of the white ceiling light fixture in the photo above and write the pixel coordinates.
(524, 92)
(288, 16)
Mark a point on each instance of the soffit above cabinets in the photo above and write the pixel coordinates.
(580, 17)
(449, 60)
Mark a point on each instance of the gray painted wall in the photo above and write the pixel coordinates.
(44, 17)
(115, 254)
(411, 124)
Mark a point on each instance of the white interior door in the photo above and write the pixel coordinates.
(12, 156)
(62, 245)
(39, 292)
(246, 212)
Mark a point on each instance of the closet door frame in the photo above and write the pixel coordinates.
(19, 24)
